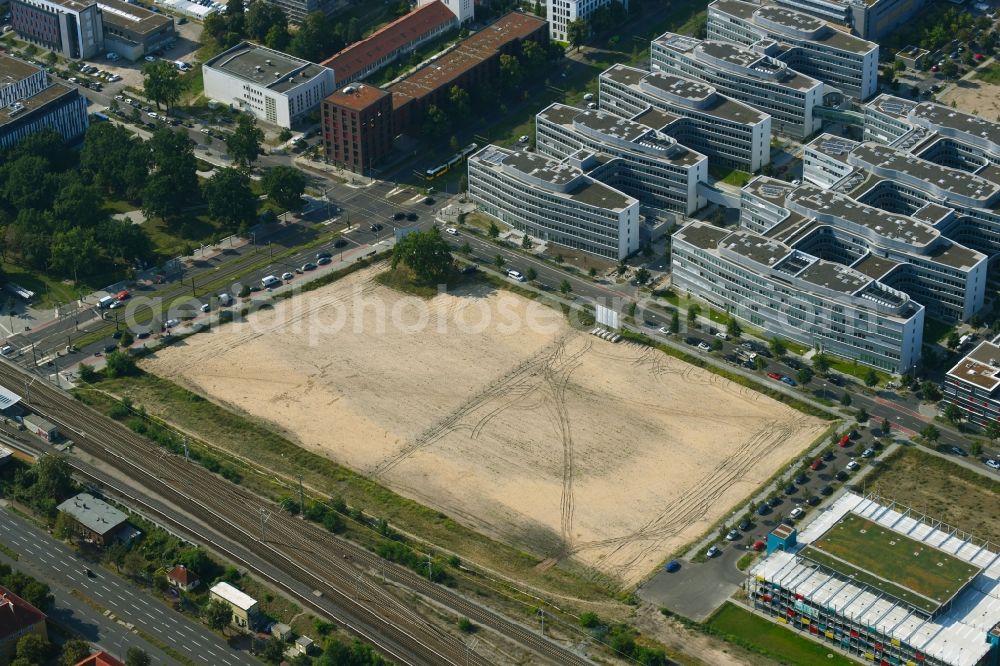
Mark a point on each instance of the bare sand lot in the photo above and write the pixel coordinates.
(491, 408)
(976, 96)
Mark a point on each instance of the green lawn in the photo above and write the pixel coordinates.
(733, 177)
(768, 638)
(990, 73)
(936, 331)
(904, 568)
(48, 290)
(855, 369)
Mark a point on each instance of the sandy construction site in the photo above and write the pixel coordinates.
(974, 96)
(492, 409)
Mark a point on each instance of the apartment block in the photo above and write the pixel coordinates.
(973, 384)
(19, 79)
(557, 201)
(731, 134)
(751, 75)
(357, 127)
(806, 43)
(637, 159)
(28, 104)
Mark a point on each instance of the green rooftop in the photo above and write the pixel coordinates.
(912, 572)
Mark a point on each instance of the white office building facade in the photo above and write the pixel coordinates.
(560, 13)
(275, 87)
(730, 133)
(748, 75)
(806, 43)
(555, 201)
(637, 159)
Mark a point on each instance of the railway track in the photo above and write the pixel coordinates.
(343, 572)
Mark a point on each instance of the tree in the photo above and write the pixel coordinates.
(510, 72)
(716, 344)
(285, 186)
(861, 416)
(244, 143)
(493, 231)
(976, 448)
(218, 614)
(820, 363)
(577, 32)
(458, 99)
(526, 242)
(845, 399)
(622, 268)
(952, 413)
(65, 526)
(230, 199)
(565, 287)
(642, 276)
(278, 37)
(426, 254)
(929, 391)
(436, 122)
(73, 652)
(162, 82)
(733, 328)
(53, 478)
(777, 347)
(33, 648)
(953, 339)
(261, 18)
(992, 431)
(804, 375)
(499, 261)
(137, 656)
(692, 313)
(120, 364)
(530, 274)
(675, 323)
(930, 433)
(759, 362)
(870, 378)
(273, 651)
(886, 427)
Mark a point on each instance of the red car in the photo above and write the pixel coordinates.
(844, 441)
(774, 375)
(758, 545)
(122, 295)
(816, 464)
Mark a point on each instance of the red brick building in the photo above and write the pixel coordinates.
(360, 121)
(18, 618)
(100, 659)
(385, 45)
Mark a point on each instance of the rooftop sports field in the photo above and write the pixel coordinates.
(901, 567)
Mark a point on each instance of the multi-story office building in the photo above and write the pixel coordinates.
(973, 384)
(730, 133)
(638, 159)
(748, 75)
(357, 127)
(884, 583)
(556, 201)
(794, 295)
(807, 44)
(71, 28)
(274, 86)
(19, 79)
(560, 13)
(28, 104)
(132, 31)
(869, 19)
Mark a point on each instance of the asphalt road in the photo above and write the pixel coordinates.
(50, 560)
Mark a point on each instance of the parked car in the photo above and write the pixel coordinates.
(802, 478)
(958, 452)
(6, 350)
(816, 464)
(516, 275)
(852, 465)
(774, 501)
(746, 524)
(713, 551)
(309, 266)
(826, 490)
(868, 453)
(704, 346)
(758, 545)
(452, 230)
(287, 275)
(790, 489)
(992, 464)
(775, 376)
(398, 215)
(814, 500)
(412, 217)
(842, 476)
(763, 510)
(672, 566)
(796, 513)
(323, 255)
(323, 261)
(376, 227)
(844, 441)
(828, 455)
(789, 381)
(733, 535)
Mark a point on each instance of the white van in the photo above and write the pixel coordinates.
(105, 302)
(269, 281)
(515, 275)
(225, 299)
